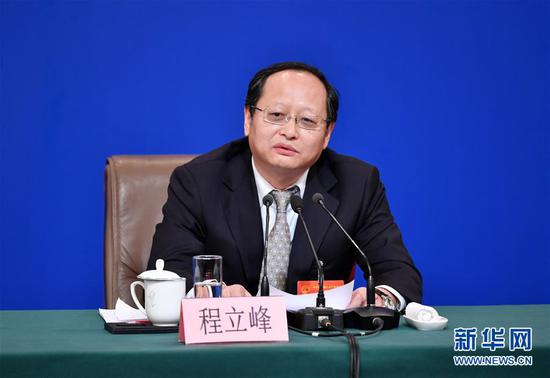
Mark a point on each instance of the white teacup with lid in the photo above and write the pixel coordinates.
(164, 291)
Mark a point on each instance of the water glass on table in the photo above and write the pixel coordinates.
(207, 276)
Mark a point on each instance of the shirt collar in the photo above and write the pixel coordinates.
(263, 187)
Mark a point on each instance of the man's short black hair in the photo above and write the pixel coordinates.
(256, 85)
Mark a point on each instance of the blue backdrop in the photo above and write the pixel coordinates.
(450, 99)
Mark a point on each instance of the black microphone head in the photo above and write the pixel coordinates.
(296, 203)
(318, 198)
(268, 200)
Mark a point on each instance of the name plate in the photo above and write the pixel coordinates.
(232, 319)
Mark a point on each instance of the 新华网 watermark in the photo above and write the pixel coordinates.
(493, 339)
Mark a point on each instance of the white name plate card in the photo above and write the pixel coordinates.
(232, 319)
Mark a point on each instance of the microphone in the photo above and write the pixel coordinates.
(362, 317)
(264, 286)
(312, 318)
(297, 205)
(360, 255)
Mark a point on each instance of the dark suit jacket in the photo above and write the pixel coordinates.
(213, 208)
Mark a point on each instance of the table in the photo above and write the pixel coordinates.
(73, 343)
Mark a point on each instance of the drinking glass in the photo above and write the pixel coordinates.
(207, 276)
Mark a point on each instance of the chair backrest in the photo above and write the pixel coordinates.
(135, 190)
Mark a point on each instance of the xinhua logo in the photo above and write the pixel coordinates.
(493, 339)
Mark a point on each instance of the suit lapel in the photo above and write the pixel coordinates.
(242, 211)
(320, 180)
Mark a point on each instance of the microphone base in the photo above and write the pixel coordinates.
(362, 317)
(309, 318)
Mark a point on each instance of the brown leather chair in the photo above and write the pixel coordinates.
(135, 190)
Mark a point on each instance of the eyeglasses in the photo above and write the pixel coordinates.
(304, 121)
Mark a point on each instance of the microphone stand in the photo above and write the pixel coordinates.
(264, 286)
(313, 318)
(363, 317)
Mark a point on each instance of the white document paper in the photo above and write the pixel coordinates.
(121, 313)
(337, 298)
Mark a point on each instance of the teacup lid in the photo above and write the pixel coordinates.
(159, 274)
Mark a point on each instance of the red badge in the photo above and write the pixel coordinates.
(309, 287)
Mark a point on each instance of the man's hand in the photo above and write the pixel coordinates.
(235, 291)
(359, 298)
(227, 291)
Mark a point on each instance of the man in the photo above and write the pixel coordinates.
(215, 205)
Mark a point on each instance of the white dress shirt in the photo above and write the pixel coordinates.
(263, 187)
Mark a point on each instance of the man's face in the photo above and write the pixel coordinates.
(288, 149)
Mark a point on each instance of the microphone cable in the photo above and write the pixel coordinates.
(355, 359)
